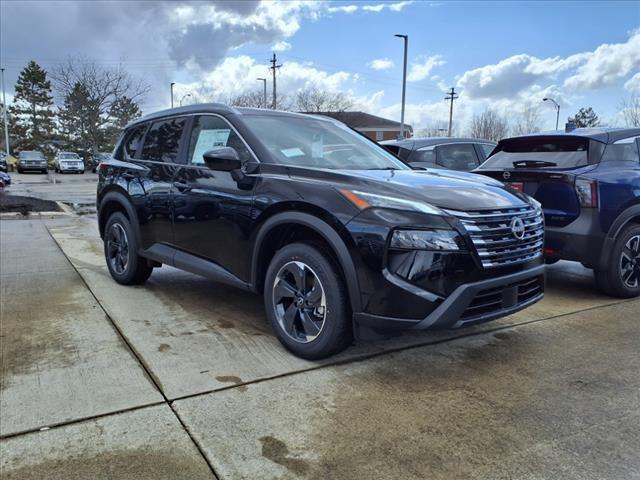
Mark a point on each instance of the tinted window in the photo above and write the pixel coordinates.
(424, 154)
(487, 149)
(457, 156)
(625, 150)
(550, 152)
(162, 141)
(131, 144)
(31, 155)
(210, 132)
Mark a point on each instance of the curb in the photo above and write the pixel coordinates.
(32, 215)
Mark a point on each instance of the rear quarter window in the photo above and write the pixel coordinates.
(625, 150)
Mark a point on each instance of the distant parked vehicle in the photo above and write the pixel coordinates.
(462, 154)
(5, 179)
(3, 162)
(29, 160)
(65, 162)
(588, 182)
(97, 158)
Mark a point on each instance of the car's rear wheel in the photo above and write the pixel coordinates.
(121, 252)
(622, 279)
(306, 303)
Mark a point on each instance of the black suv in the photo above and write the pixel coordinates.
(588, 182)
(462, 154)
(340, 236)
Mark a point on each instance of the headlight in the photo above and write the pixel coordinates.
(425, 239)
(536, 204)
(362, 201)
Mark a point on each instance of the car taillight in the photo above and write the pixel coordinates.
(587, 191)
(517, 186)
(102, 167)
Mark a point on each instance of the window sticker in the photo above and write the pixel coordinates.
(208, 139)
(292, 152)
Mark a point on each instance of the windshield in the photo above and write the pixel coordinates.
(311, 142)
(540, 151)
(69, 156)
(31, 155)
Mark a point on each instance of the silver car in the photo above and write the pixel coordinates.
(68, 162)
(32, 160)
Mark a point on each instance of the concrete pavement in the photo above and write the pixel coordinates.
(552, 392)
(72, 189)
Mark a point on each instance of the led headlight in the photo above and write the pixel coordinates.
(364, 200)
(425, 239)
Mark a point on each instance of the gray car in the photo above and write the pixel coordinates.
(30, 160)
(463, 154)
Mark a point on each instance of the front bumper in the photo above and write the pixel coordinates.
(71, 168)
(470, 303)
(33, 167)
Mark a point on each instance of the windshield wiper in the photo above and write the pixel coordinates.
(533, 163)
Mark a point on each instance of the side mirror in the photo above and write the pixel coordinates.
(223, 159)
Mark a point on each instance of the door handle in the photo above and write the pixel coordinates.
(183, 187)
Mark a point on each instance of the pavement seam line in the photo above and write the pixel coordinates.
(137, 356)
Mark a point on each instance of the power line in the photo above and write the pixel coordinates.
(273, 69)
(451, 96)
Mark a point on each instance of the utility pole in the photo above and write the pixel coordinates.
(451, 96)
(172, 84)
(264, 85)
(4, 115)
(404, 81)
(273, 69)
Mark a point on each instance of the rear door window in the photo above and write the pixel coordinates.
(457, 156)
(162, 141)
(424, 154)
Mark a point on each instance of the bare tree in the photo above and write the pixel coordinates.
(315, 100)
(248, 99)
(435, 129)
(489, 125)
(103, 92)
(528, 121)
(630, 109)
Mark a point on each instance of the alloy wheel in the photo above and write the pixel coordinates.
(630, 262)
(299, 302)
(117, 248)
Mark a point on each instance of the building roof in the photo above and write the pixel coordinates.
(361, 120)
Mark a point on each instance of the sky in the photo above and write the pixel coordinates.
(501, 55)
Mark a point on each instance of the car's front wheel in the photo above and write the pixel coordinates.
(121, 252)
(306, 302)
(622, 279)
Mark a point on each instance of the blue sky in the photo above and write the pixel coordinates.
(503, 55)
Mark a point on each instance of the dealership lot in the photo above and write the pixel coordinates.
(182, 378)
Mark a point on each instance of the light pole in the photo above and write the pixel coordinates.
(4, 115)
(264, 84)
(404, 80)
(557, 109)
(183, 97)
(172, 84)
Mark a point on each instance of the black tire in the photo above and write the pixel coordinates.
(136, 269)
(335, 331)
(618, 280)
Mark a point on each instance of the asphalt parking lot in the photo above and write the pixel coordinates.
(182, 378)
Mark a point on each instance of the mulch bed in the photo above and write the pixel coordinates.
(24, 205)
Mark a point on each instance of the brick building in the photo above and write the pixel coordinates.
(376, 128)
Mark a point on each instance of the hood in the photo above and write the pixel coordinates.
(441, 188)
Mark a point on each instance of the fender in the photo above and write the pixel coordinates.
(122, 199)
(328, 233)
(616, 227)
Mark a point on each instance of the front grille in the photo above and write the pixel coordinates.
(495, 299)
(494, 240)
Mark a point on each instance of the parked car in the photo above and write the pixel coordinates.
(463, 154)
(338, 234)
(3, 162)
(32, 160)
(65, 162)
(5, 179)
(588, 182)
(97, 158)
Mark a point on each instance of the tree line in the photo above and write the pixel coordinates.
(78, 105)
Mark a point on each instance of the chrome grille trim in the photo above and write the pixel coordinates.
(491, 234)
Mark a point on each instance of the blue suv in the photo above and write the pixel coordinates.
(588, 182)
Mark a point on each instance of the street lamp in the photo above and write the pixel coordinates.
(4, 115)
(264, 84)
(404, 81)
(183, 97)
(557, 109)
(172, 84)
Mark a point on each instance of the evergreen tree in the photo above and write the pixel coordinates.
(32, 109)
(585, 118)
(77, 118)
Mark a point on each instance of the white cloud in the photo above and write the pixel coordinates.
(421, 69)
(381, 64)
(343, 9)
(607, 64)
(281, 46)
(394, 7)
(633, 84)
